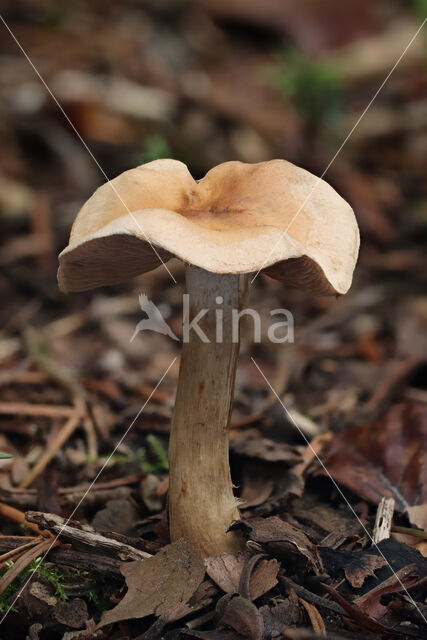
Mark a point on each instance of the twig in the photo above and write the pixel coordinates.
(17, 551)
(40, 410)
(132, 478)
(66, 555)
(418, 533)
(403, 574)
(99, 497)
(13, 542)
(149, 546)
(412, 588)
(310, 451)
(383, 520)
(101, 492)
(80, 402)
(85, 535)
(27, 498)
(66, 431)
(17, 516)
(38, 352)
(146, 390)
(23, 561)
(22, 376)
(245, 577)
(91, 438)
(244, 422)
(364, 620)
(311, 597)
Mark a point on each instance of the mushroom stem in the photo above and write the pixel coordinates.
(201, 501)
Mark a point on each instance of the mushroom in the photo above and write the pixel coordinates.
(240, 218)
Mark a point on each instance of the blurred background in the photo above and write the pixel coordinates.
(206, 81)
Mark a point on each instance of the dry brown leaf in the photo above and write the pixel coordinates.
(241, 615)
(263, 578)
(325, 518)
(161, 585)
(418, 516)
(337, 562)
(282, 538)
(226, 571)
(315, 617)
(255, 491)
(363, 620)
(360, 568)
(370, 602)
(384, 459)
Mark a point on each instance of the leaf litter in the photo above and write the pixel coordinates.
(226, 83)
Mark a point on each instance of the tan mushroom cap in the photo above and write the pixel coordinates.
(238, 219)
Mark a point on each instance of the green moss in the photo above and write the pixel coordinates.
(42, 570)
(157, 461)
(315, 87)
(155, 147)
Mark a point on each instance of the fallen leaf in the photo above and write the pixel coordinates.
(272, 486)
(161, 585)
(315, 617)
(226, 571)
(325, 518)
(360, 568)
(263, 578)
(255, 491)
(281, 538)
(241, 615)
(362, 619)
(418, 516)
(397, 554)
(384, 459)
(371, 604)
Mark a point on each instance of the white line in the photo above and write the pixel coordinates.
(42, 80)
(319, 179)
(91, 485)
(349, 505)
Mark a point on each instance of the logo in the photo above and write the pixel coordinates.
(276, 332)
(154, 322)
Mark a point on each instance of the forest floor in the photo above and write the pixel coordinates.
(206, 81)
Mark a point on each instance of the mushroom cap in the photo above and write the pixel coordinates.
(239, 218)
